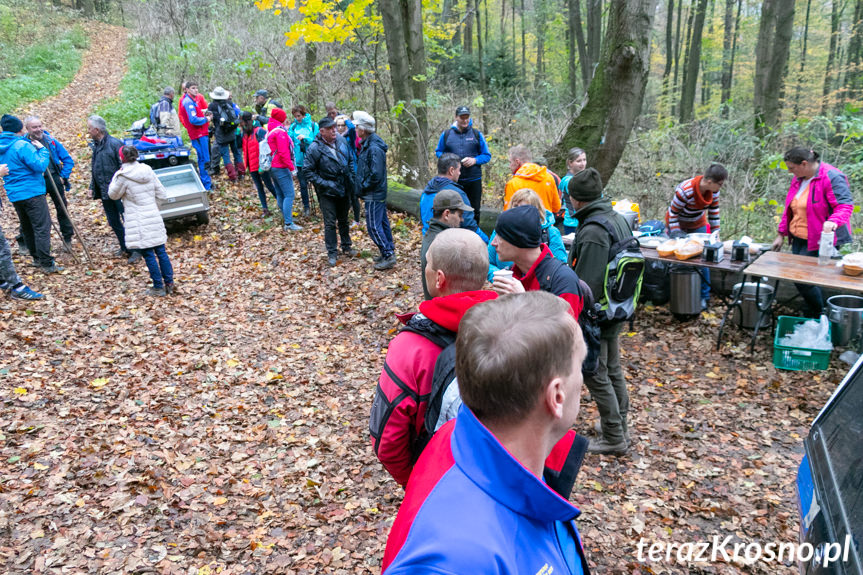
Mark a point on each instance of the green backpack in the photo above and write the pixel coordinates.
(623, 275)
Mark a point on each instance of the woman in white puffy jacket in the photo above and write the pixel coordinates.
(138, 187)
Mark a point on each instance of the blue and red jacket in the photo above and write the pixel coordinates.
(471, 507)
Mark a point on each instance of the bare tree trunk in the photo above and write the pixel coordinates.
(693, 61)
(479, 49)
(727, 56)
(539, 8)
(771, 57)
(468, 30)
(852, 69)
(677, 87)
(523, 44)
(572, 23)
(616, 92)
(831, 57)
(503, 25)
(669, 50)
(578, 30)
(706, 62)
(311, 53)
(594, 31)
(402, 20)
(802, 60)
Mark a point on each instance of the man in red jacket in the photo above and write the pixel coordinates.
(456, 271)
(196, 119)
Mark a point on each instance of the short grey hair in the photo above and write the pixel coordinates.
(98, 122)
(168, 91)
(29, 119)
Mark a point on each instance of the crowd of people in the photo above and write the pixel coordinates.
(480, 389)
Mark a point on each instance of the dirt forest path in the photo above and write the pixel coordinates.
(102, 68)
(224, 429)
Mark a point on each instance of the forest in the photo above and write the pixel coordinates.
(654, 89)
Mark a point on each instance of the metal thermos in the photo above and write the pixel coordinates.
(685, 291)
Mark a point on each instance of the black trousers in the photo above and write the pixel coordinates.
(473, 189)
(35, 220)
(335, 211)
(114, 213)
(66, 228)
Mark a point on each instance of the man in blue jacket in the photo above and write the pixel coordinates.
(9, 280)
(476, 501)
(59, 170)
(25, 188)
(468, 143)
(372, 186)
(448, 170)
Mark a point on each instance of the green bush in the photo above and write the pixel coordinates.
(42, 69)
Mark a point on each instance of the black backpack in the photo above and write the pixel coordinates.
(227, 116)
(588, 319)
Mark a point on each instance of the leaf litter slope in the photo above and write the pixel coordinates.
(225, 429)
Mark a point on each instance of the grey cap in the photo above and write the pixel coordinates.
(448, 199)
(364, 121)
(263, 93)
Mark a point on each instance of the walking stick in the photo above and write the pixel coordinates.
(57, 229)
(62, 205)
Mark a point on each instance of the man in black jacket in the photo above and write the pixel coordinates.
(103, 166)
(372, 184)
(329, 166)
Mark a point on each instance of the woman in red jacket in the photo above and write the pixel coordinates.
(252, 137)
(284, 170)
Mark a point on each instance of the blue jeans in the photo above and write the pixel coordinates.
(283, 182)
(705, 272)
(261, 179)
(202, 149)
(114, 213)
(158, 265)
(304, 187)
(225, 150)
(378, 225)
(811, 294)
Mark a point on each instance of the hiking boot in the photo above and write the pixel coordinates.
(351, 252)
(52, 269)
(292, 228)
(332, 260)
(156, 292)
(121, 253)
(25, 293)
(377, 258)
(135, 257)
(169, 288)
(602, 446)
(597, 428)
(386, 263)
(306, 211)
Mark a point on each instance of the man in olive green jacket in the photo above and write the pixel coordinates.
(589, 257)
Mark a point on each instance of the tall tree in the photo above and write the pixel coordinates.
(616, 91)
(831, 56)
(802, 71)
(693, 61)
(728, 45)
(403, 29)
(669, 49)
(594, 31)
(539, 10)
(855, 46)
(575, 27)
(468, 29)
(771, 58)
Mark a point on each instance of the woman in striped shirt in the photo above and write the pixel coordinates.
(694, 209)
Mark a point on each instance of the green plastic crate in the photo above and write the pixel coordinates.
(796, 358)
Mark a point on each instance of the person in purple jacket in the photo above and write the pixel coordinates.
(476, 501)
(819, 200)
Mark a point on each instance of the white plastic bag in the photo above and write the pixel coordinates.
(811, 334)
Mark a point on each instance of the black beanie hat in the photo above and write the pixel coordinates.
(10, 123)
(521, 226)
(585, 186)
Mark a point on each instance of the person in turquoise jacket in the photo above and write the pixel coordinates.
(25, 188)
(303, 132)
(550, 234)
(576, 161)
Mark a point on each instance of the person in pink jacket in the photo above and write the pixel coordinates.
(284, 170)
(819, 200)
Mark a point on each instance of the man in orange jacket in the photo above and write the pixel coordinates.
(526, 174)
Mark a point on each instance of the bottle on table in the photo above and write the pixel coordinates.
(825, 248)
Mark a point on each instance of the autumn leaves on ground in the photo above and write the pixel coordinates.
(224, 429)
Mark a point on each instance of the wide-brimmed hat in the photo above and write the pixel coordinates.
(220, 94)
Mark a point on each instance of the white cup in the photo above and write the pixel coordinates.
(502, 274)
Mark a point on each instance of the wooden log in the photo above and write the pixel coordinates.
(404, 199)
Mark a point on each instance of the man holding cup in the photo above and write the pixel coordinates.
(470, 146)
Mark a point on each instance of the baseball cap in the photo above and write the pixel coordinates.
(462, 110)
(449, 200)
(263, 93)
